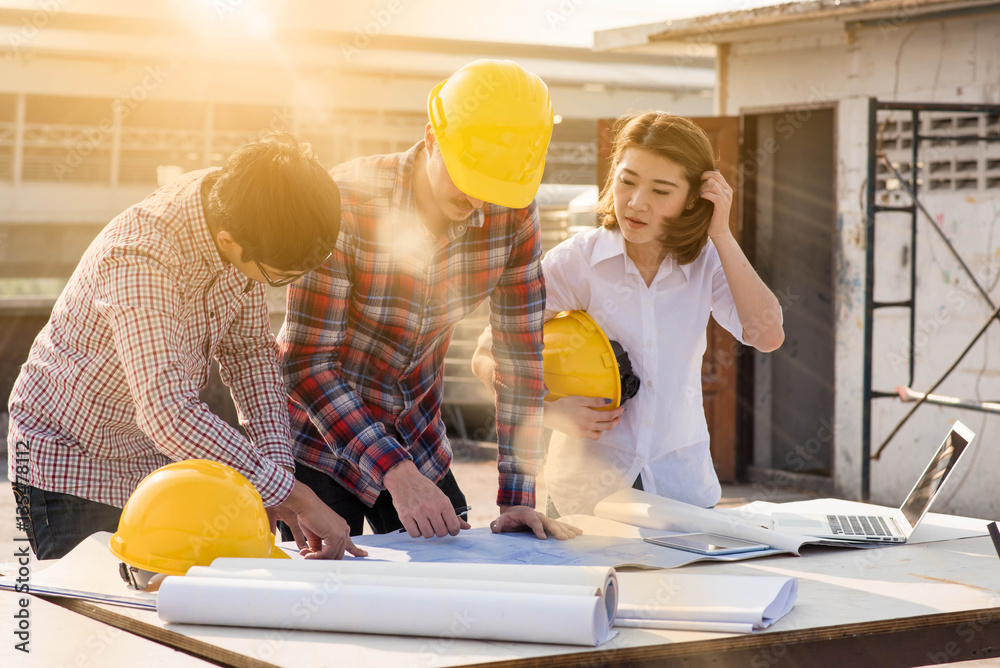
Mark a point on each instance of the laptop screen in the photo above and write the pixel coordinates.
(936, 473)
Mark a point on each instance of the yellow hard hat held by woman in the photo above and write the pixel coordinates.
(579, 360)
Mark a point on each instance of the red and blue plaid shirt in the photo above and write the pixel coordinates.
(365, 335)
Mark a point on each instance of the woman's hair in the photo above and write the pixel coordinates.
(683, 142)
(279, 203)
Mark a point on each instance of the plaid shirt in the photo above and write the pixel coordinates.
(110, 389)
(365, 335)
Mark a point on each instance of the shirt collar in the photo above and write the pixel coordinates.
(611, 243)
(403, 197)
(200, 234)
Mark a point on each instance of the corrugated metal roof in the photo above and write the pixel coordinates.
(714, 28)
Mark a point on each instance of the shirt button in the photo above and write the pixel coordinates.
(649, 344)
(212, 314)
(460, 229)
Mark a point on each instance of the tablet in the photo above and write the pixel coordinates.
(706, 543)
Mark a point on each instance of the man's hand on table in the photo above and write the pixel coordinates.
(319, 532)
(519, 518)
(422, 507)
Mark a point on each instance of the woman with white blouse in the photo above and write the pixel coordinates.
(663, 260)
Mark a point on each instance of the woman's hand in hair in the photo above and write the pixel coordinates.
(579, 417)
(757, 307)
(715, 189)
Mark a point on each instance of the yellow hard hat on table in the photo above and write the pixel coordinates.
(492, 120)
(580, 360)
(189, 513)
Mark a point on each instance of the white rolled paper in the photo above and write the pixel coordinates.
(519, 577)
(397, 581)
(522, 603)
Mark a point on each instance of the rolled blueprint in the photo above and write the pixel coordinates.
(509, 577)
(334, 578)
(522, 603)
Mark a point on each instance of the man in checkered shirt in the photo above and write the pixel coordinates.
(110, 391)
(428, 235)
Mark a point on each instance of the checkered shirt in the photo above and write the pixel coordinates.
(110, 390)
(365, 336)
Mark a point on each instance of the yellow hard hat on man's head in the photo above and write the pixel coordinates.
(189, 513)
(492, 120)
(579, 360)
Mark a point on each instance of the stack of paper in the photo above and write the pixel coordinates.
(643, 509)
(547, 604)
(699, 602)
(753, 522)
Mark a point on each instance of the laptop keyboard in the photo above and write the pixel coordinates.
(859, 525)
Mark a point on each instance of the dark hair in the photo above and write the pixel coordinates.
(279, 203)
(683, 142)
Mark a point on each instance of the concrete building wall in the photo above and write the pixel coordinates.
(374, 103)
(809, 65)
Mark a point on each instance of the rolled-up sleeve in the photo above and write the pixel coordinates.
(248, 363)
(138, 297)
(516, 317)
(723, 304)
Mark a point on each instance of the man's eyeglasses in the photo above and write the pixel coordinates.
(282, 282)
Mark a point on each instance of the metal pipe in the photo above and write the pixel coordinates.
(920, 402)
(866, 410)
(914, 186)
(907, 394)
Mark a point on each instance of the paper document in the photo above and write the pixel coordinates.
(89, 572)
(644, 509)
(545, 604)
(753, 521)
(703, 602)
(599, 547)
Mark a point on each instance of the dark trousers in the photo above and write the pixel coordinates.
(56, 522)
(382, 517)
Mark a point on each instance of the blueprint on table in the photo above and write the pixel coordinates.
(481, 545)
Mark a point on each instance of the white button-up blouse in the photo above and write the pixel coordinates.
(663, 434)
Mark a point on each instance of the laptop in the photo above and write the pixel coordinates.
(894, 527)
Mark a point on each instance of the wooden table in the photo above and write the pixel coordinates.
(58, 637)
(900, 605)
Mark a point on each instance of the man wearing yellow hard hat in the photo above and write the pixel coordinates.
(427, 235)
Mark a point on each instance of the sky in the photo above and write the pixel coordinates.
(548, 22)
(551, 22)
